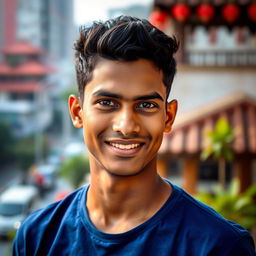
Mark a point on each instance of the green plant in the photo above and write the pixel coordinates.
(74, 169)
(70, 90)
(24, 151)
(235, 206)
(219, 146)
(7, 143)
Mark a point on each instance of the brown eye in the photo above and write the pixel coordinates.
(146, 105)
(108, 103)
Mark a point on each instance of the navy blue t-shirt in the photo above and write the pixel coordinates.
(182, 227)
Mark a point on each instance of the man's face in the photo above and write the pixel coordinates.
(123, 115)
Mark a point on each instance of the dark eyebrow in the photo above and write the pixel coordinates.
(102, 93)
(152, 96)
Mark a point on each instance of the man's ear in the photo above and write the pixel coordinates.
(170, 114)
(75, 110)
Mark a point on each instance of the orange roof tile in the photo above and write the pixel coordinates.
(28, 68)
(188, 134)
(4, 69)
(23, 48)
(21, 87)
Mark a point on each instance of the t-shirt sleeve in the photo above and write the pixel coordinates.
(244, 246)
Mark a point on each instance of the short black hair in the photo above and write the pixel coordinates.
(124, 38)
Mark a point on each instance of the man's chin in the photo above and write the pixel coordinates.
(117, 173)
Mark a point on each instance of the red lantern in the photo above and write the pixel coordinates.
(230, 12)
(205, 12)
(181, 12)
(158, 19)
(252, 12)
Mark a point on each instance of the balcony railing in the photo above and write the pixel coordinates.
(221, 57)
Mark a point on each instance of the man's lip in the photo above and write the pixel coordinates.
(122, 151)
(124, 142)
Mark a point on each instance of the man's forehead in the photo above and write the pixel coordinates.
(137, 77)
(109, 66)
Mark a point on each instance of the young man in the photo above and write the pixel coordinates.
(125, 69)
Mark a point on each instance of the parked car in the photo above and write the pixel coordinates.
(15, 204)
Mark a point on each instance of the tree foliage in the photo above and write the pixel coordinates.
(24, 151)
(7, 143)
(220, 140)
(239, 207)
(19, 151)
(74, 170)
(65, 94)
(220, 146)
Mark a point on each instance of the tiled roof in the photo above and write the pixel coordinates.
(188, 134)
(23, 48)
(25, 87)
(28, 68)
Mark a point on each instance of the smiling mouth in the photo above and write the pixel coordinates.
(124, 146)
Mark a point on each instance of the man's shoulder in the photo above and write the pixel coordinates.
(51, 216)
(204, 219)
(59, 207)
(199, 223)
(42, 227)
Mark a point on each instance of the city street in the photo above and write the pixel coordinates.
(49, 197)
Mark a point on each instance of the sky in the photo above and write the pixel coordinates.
(89, 10)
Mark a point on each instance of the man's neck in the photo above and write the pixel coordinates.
(118, 204)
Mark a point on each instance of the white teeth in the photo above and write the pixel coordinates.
(123, 146)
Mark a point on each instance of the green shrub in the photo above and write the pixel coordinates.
(235, 206)
(7, 143)
(74, 170)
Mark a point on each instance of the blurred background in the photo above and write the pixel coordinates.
(211, 151)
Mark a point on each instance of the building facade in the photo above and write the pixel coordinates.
(44, 23)
(24, 94)
(215, 78)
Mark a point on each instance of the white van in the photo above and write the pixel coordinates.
(15, 205)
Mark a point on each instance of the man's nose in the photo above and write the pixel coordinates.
(126, 122)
